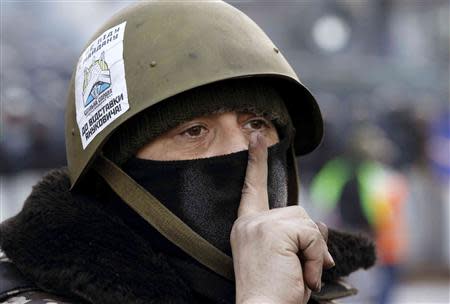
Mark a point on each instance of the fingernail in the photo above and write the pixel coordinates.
(331, 259)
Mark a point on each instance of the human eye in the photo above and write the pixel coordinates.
(195, 131)
(258, 124)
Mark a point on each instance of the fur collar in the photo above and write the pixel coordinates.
(73, 245)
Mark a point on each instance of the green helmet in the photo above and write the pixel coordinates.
(156, 50)
(168, 48)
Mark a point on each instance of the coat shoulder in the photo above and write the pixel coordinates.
(17, 289)
(74, 244)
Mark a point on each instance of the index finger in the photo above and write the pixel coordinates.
(254, 197)
(323, 230)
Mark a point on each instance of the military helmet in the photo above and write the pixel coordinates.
(155, 50)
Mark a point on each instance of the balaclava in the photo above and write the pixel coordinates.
(205, 193)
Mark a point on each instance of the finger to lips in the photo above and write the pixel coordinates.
(254, 197)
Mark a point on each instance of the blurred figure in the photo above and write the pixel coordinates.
(360, 191)
(439, 153)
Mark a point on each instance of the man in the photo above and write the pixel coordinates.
(180, 139)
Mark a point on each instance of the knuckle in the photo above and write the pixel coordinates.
(237, 225)
(322, 245)
(317, 235)
(249, 188)
(236, 231)
(233, 236)
(262, 228)
(255, 227)
(298, 211)
(323, 226)
(314, 238)
(309, 222)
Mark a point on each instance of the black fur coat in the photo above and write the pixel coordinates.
(78, 246)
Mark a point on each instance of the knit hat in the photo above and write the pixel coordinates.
(243, 95)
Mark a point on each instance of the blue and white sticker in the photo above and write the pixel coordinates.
(100, 85)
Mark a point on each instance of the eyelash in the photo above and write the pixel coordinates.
(261, 120)
(185, 132)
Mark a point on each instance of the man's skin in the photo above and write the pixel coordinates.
(212, 135)
(267, 245)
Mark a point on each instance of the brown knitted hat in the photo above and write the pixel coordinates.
(245, 95)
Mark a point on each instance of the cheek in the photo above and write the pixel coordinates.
(158, 149)
(180, 149)
(153, 151)
(191, 148)
(173, 149)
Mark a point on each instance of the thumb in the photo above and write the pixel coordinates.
(254, 197)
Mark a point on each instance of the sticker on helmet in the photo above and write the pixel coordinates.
(100, 85)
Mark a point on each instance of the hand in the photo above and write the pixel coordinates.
(267, 245)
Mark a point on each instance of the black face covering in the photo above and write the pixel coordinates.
(205, 193)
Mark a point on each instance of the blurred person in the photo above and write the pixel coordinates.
(361, 192)
(438, 152)
(182, 126)
(423, 157)
(439, 146)
(410, 133)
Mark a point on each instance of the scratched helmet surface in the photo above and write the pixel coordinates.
(155, 50)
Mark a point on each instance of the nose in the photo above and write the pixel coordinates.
(234, 141)
(230, 137)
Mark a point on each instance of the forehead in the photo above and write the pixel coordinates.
(227, 117)
(226, 112)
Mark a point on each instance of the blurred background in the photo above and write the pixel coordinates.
(380, 71)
